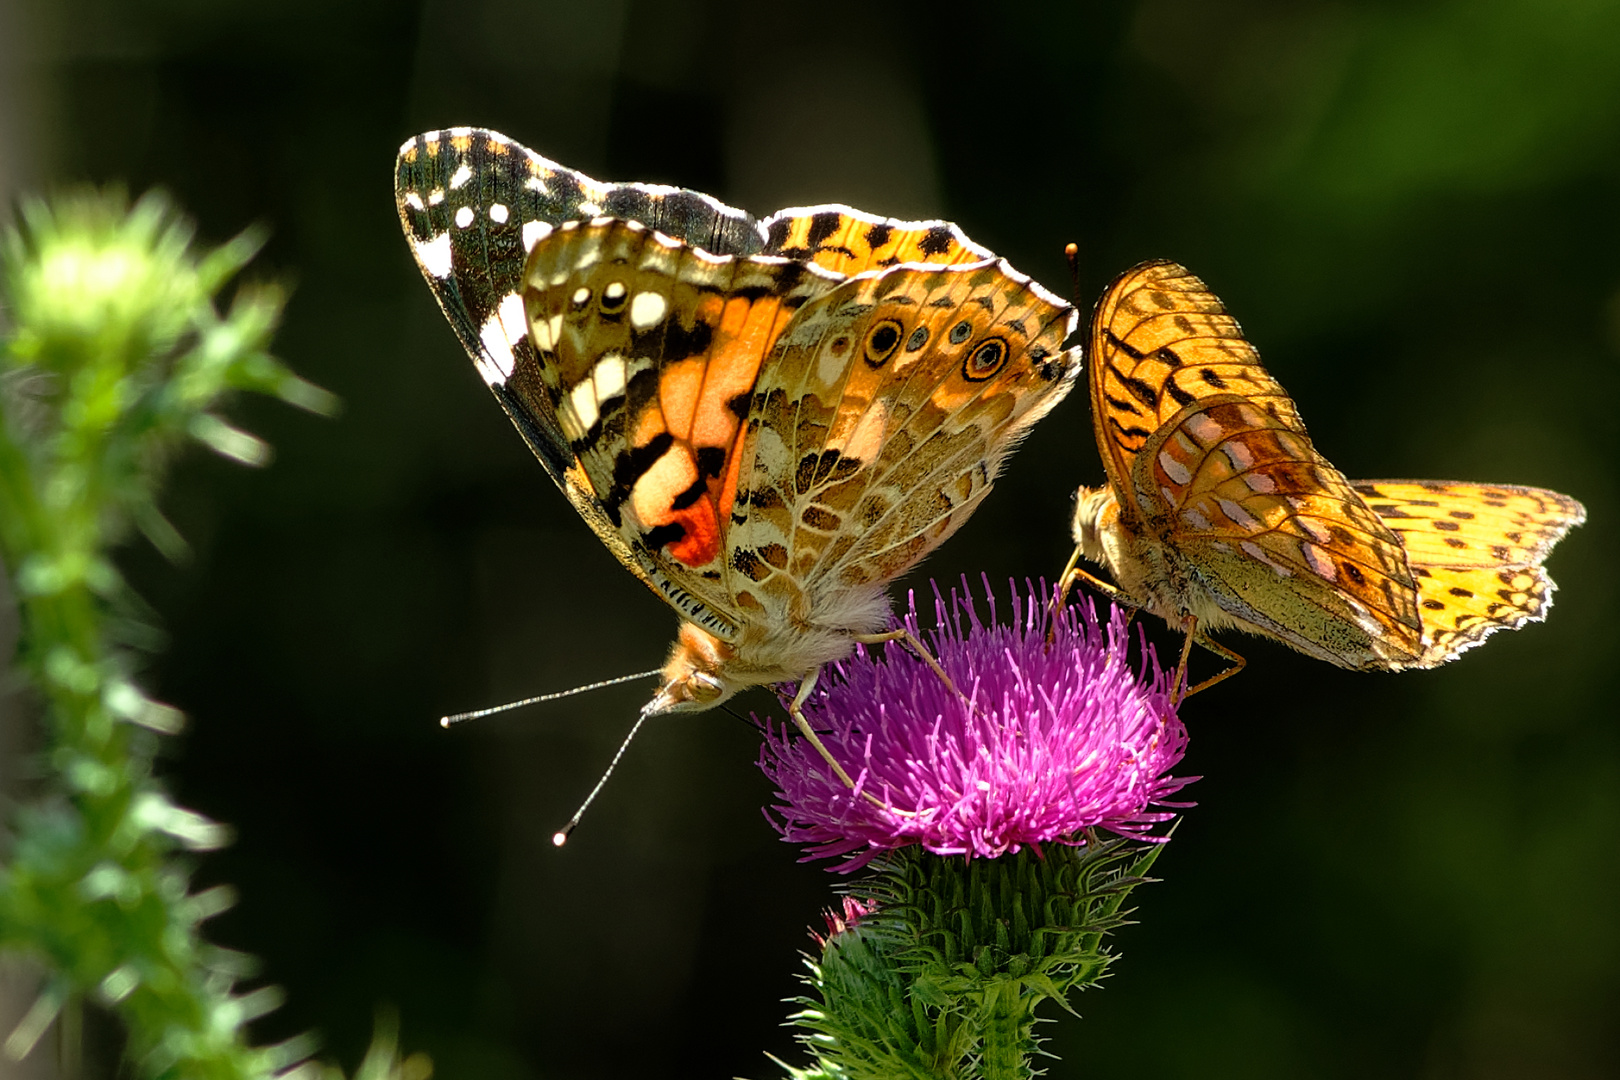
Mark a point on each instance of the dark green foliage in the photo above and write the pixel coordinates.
(117, 354)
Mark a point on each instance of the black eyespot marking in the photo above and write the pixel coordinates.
(918, 338)
(839, 346)
(961, 332)
(881, 341)
(985, 360)
(1458, 590)
(1433, 605)
(1353, 572)
(614, 297)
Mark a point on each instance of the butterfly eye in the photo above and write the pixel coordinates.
(613, 298)
(985, 360)
(961, 332)
(881, 342)
(704, 687)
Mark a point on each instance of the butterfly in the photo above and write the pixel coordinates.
(1219, 512)
(765, 421)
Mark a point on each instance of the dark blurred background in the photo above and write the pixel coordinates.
(1414, 209)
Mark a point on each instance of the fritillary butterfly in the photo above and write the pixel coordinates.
(1218, 511)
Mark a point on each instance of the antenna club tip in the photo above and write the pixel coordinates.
(1071, 249)
(560, 837)
(444, 722)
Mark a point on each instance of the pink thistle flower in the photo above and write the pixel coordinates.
(1045, 740)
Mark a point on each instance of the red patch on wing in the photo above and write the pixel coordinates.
(701, 544)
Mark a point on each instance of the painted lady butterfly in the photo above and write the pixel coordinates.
(766, 422)
(1219, 512)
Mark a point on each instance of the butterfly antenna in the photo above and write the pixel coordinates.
(560, 837)
(1071, 253)
(735, 715)
(456, 718)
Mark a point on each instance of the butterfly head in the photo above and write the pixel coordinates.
(1095, 509)
(694, 675)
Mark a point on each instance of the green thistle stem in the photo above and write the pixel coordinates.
(943, 979)
(1008, 1033)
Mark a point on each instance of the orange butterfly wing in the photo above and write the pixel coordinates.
(1160, 342)
(651, 351)
(1476, 551)
(885, 414)
(1209, 458)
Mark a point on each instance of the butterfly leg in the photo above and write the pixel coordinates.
(910, 639)
(1237, 662)
(1072, 574)
(1191, 636)
(796, 711)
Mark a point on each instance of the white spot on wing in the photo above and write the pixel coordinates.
(534, 232)
(614, 291)
(582, 400)
(1320, 563)
(590, 209)
(464, 217)
(1174, 469)
(1203, 429)
(498, 213)
(1196, 520)
(535, 183)
(647, 309)
(497, 351)
(581, 295)
(513, 322)
(413, 200)
(462, 174)
(1238, 516)
(435, 197)
(434, 255)
(1319, 532)
(1238, 454)
(608, 376)
(1257, 553)
(1259, 481)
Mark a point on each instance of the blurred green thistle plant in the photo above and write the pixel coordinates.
(993, 881)
(113, 354)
